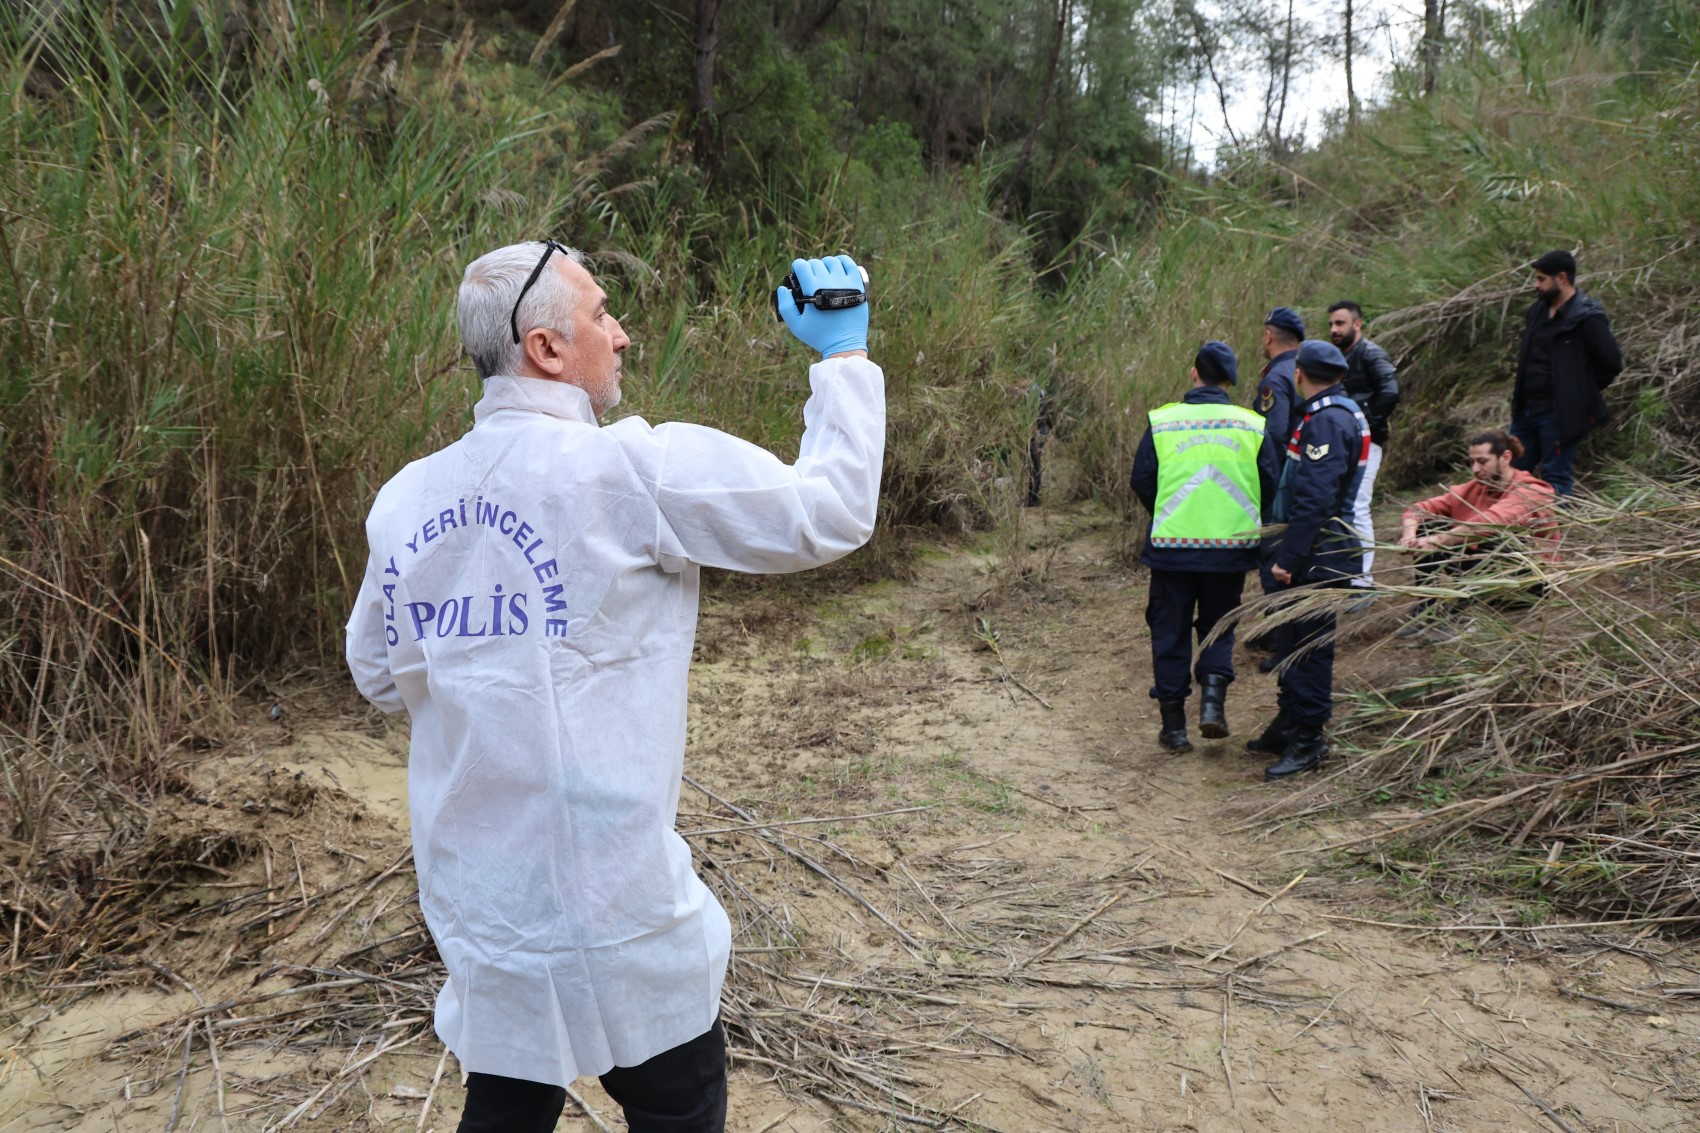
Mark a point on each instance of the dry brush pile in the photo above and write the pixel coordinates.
(1549, 760)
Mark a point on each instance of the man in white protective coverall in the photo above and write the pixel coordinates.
(530, 600)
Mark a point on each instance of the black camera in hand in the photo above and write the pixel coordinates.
(824, 299)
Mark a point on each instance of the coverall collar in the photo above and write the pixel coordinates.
(1203, 394)
(534, 395)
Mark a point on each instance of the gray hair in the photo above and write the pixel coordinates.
(488, 291)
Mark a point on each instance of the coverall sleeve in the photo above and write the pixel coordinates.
(1605, 360)
(1144, 478)
(1315, 486)
(724, 502)
(366, 650)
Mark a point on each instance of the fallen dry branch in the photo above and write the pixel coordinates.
(869, 1037)
(1550, 760)
(341, 971)
(826, 1027)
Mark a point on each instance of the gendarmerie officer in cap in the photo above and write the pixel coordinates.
(1319, 481)
(1203, 469)
(1283, 331)
(1276, 399)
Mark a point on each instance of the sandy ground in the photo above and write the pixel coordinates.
(1060, 928)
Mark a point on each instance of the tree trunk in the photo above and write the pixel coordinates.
(1432, 31)
(704, 134)
(821, 17)
(1277, 144)
(1026, 157)
(1204, 35)
(1351, 91)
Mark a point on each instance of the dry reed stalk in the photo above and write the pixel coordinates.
(1552, 753)
(552, 32)
(851, 1034)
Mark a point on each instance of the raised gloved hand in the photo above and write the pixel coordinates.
(830, 332)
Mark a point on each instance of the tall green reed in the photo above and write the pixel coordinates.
(226, 309)
(223, 323)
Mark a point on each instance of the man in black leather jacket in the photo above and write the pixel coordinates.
(1372, 381)
(1568, 356)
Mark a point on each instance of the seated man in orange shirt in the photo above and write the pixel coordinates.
(1502, 508)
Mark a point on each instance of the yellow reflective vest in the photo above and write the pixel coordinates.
(1208, 494)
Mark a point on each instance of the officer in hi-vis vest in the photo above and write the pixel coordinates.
(1203, 470)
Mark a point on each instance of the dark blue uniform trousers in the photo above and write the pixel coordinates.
(1307, 684)
(1177, 604)
(1277, 641)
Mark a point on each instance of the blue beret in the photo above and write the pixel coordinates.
(1317, 357)
(1215, 360)
(1286, 319)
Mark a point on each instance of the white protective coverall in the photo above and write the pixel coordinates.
(531, 600)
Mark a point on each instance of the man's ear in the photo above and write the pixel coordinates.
(540, 351)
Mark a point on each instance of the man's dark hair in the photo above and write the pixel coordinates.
(1555, 262)
(1347, 305)
(1282, 334)
(1499, 442)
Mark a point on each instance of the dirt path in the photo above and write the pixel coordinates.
(1078, 932)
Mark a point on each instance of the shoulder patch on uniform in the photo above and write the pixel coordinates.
(1316, 452)
(1266, 401)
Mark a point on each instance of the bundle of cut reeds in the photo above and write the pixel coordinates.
(1549, 757)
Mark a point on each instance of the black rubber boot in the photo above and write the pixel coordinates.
(1305, 752)
(1275, 737)
(1213, 706)
(1173, 736)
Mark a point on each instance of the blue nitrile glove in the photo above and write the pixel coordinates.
(830, 332)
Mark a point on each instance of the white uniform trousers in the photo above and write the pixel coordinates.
(1362, 522)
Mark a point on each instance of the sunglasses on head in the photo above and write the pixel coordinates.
(550, 247)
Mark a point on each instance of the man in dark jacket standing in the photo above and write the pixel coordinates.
(1319, 481)
(1373, 382)
(1202, 469)
(1568, 357)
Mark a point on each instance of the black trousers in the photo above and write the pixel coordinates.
(1276, 641)
(1178, 604)
(1035, 468)
(1307, 686)
(682, 1090)
(1457, 561)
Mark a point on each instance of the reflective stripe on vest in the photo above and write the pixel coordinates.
(1208, 495)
